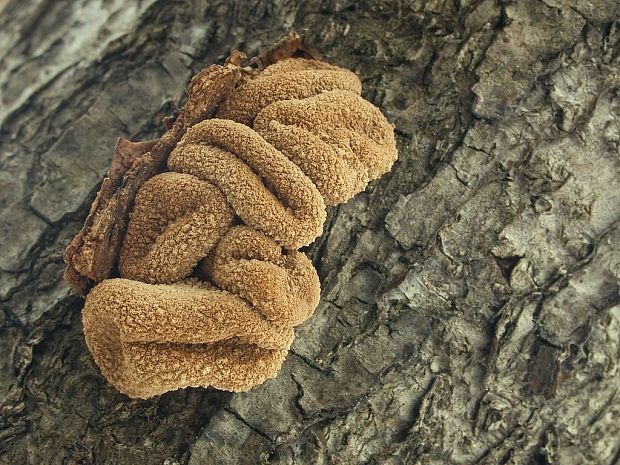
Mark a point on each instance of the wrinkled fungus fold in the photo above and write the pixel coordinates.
(210, 282)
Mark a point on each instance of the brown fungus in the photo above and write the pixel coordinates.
(250, 174)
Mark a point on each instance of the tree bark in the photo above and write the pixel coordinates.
(470, 306)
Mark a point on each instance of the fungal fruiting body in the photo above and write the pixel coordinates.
(211, 283)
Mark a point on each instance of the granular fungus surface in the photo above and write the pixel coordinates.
(211, 284)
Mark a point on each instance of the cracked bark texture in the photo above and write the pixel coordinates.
(470, 308)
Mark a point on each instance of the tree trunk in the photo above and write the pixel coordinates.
(470, 306)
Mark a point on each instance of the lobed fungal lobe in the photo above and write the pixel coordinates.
(211, 282)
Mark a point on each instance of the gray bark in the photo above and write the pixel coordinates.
(470, 307)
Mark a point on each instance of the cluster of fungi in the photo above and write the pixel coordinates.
(189, 256)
